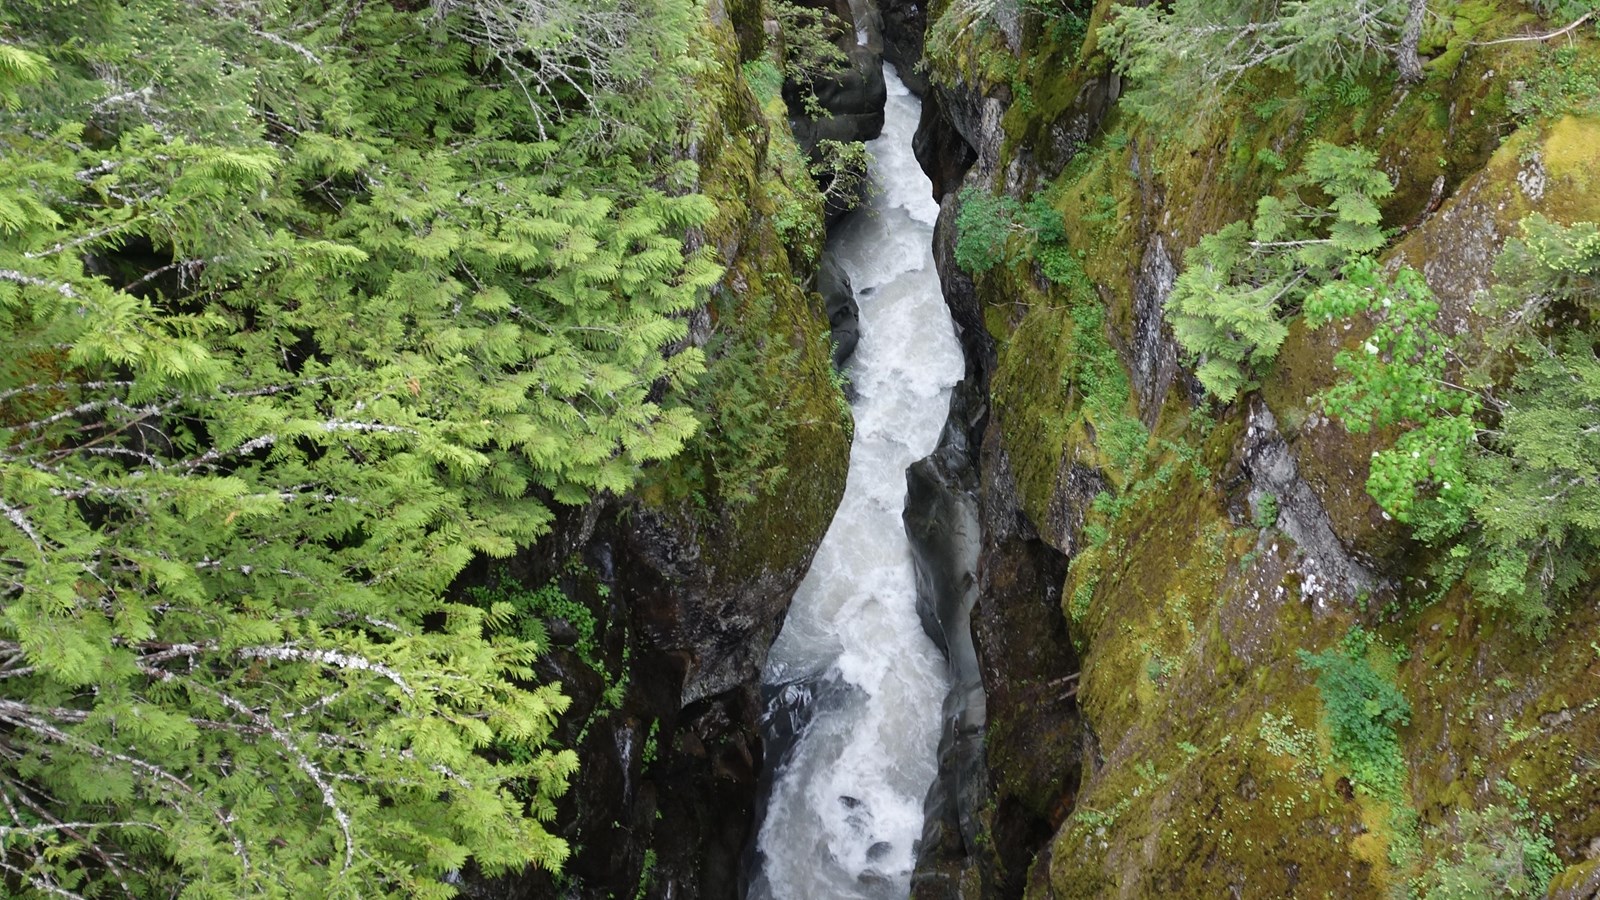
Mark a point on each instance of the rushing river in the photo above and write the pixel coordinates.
(846, 804)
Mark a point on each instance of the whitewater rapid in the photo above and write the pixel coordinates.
(845, 809)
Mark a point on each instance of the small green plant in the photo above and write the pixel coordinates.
(1094, 819)
(1267, 157)
(1363, 708)
(1351, 93)
(651, 742)
(647, 874)
(1267, 510)
(986, 225)
(1157, 666)
(1560, 82)
(983, 225)
(535, 609)
(1229, 307)
(1098, 375)
(1500, 851)
(1082, 596)
(1399, 377)
(810, 48)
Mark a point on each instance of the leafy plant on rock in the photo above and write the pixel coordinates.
(1229, 307)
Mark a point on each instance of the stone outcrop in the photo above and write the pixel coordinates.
(942, 523)
(844, 314)
(1190, 584)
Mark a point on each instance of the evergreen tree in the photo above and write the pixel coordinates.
(1182, 55)
(1229, 306)
(1507, 481)
(303, 306)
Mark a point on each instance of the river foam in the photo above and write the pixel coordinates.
(845, 809)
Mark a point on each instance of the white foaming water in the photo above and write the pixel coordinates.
(846, 809)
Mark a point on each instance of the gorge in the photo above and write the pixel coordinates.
(472, 447)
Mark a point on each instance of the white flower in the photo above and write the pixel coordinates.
(1371, 348)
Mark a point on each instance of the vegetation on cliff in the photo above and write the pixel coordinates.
(304, 307)
(1355, 538)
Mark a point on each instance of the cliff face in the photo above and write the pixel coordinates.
(670, 597)
(1156, 567)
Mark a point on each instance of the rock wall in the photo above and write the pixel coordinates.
(1151, 725)
(687, 585)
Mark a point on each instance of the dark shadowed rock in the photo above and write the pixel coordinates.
(844, 315)
(905, 23)
(945, 156)
(852, 97)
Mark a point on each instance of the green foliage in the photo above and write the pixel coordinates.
(1399, 378)
(1499, 851)
(1363, 709)
(1228, 307)
(998, 230)
(739, 452)
(533, 610)
(797, 203)
(1267, 511)
(1068, 20)
(1183, 56)
(1519, 497)
(647, 875)
(1271, 160)
(302, 312)
(1098, 375)
(809, 48)
(1561, 81)
(1538, 483)
(1545, 268)
(1284, 738)
(984, 224)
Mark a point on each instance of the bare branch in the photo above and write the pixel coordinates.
(1537, 37)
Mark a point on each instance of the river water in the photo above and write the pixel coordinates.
(845, 806)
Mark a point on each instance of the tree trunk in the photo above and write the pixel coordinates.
(1410, 35)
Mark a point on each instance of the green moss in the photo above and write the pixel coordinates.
(1176, 605)
(1490, 705)
(763, 486)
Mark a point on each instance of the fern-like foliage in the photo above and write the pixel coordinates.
(302, 308)
(1230, 305)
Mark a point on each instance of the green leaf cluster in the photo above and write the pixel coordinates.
(1363, 707)
(304, 306)
(809, 49)
(1230, 305)
(1399, 377)
(1503, 850)
(986, 223)
(1509, 476)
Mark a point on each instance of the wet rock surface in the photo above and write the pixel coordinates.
(942, 522)
(853, 97)
(941, 150)
(905, 23)
(844, 314)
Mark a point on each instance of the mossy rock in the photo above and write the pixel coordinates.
(1491, 705)
(1550, 170)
